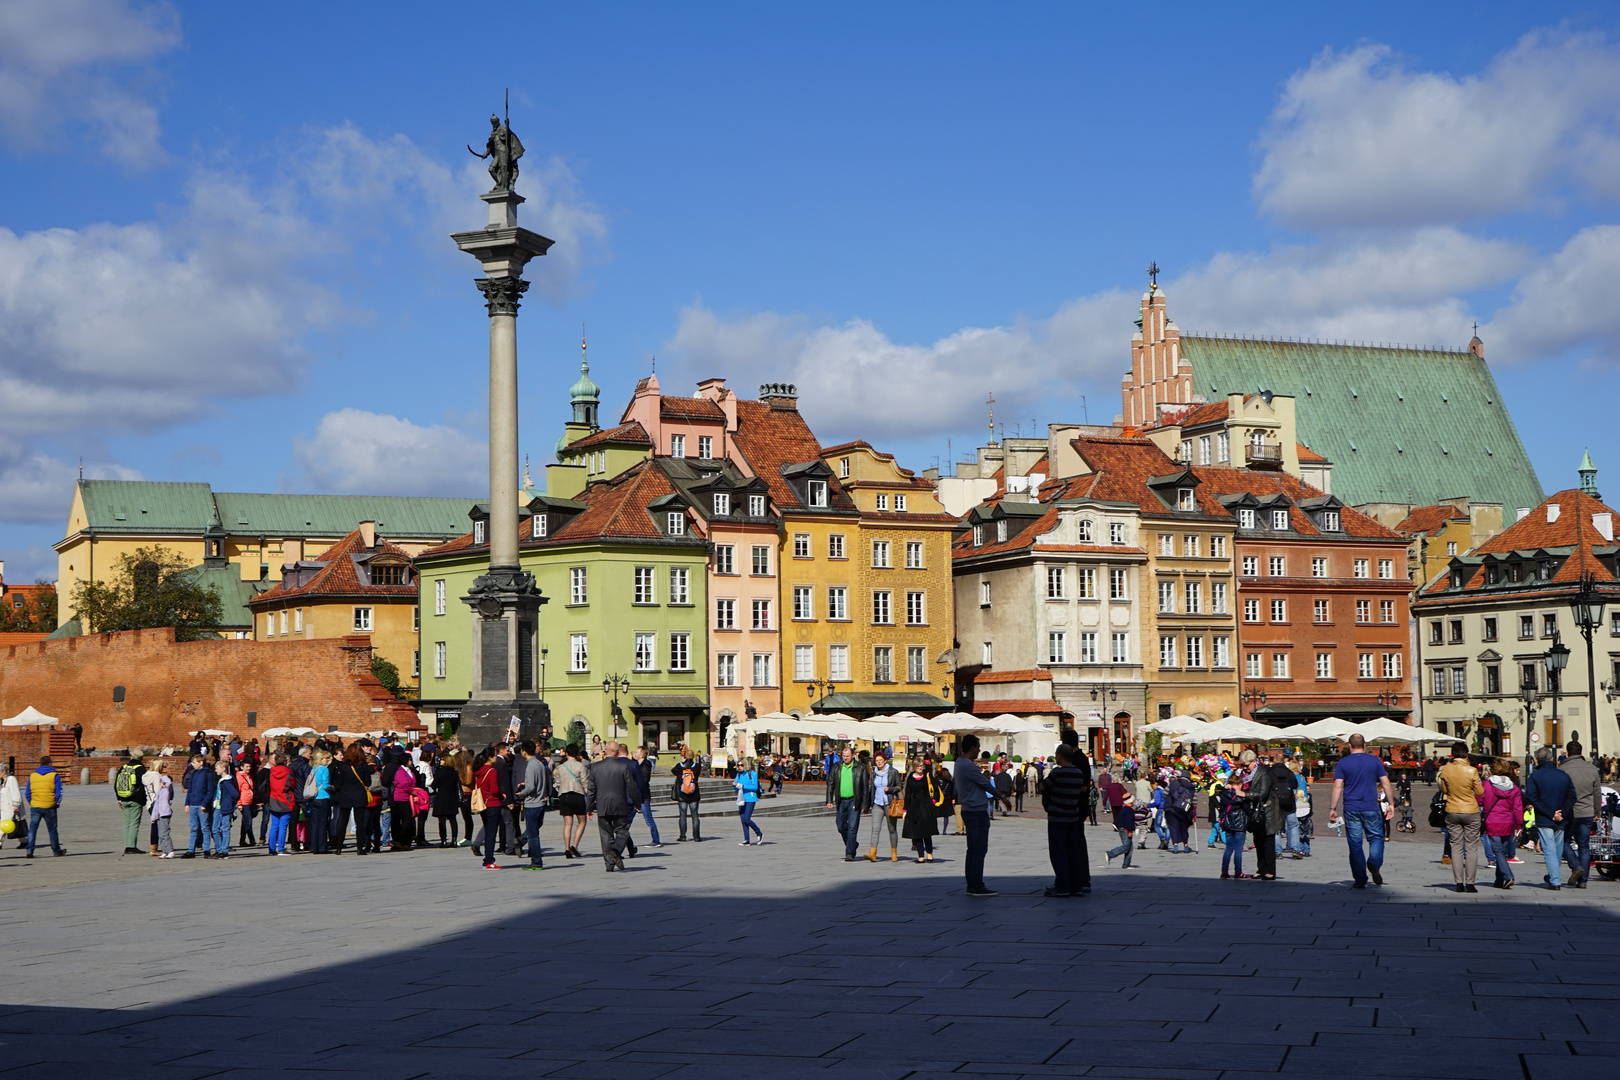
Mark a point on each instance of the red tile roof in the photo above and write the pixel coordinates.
(340, 577)
(690, 408)
(1024, 675)
(1573, 529)
(1044, 706)
(1307, 454)
(773, 438)
(20, 638)
(631, 434)
(1425, 520)
(1205, 414)
(1262, 483)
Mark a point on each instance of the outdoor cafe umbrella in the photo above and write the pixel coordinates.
(1385, 730)
(1230, 729)
(29, 717)
(1176, 725)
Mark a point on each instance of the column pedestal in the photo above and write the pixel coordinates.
(506, 616)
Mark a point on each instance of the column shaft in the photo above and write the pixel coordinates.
(503, 441)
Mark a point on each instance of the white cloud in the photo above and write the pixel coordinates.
(1359, 139)
(60, 62)
(37, 487)
(1566, 303)
(354, 451)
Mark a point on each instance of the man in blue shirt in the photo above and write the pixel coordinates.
(974, 790)
(1356, 779)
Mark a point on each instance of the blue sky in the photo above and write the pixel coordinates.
(223, 249)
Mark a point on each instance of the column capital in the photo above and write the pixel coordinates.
(501, 294)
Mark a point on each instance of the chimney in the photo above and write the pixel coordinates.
(783, 396)
(1553, 510)
(292, 552)
(368, 534)
(1521, 513)
(1604, 524)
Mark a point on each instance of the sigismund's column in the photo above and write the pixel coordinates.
(505, 601)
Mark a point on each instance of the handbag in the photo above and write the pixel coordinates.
(478, 805)
(896, 808)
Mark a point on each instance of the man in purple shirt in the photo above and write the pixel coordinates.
(1356, 779)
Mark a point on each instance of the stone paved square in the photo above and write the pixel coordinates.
(783, 961)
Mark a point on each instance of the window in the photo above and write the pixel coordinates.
(1276, 567)
(1279, 519)
(1245, 519)
(1319, 611)
(1085, 530)
(762, 669)
(1056, 647)
(804, 663)
(1363, 611)
(270, 624)
(539, 524)
(1545, 570)
(880, 554)
(1204, 450)
(762, 560)
(1279, 611)
(916, 614)
(675, 523)
(1436, 634)
(1054, 583)
(1167, 597)
(989, 654)
(914, 555)
(882, 502)
(1459, 681)
(978, 536)
(1194, 592)
(756, 506)
(1088, 583)
(1451, 547)
(1184, 499)
(725, 559)
(1223, 447)
(1116, 532)
(843, 468)
(1251, 566)
(1279, 665)
(1120, 647)
(1186, 453)
(1222, 651)
(1360, 566)
(438, 597)
(362, 620)
(1167, 544)
(579, 657)
(1549, 626)
(677, 446)
(284, 621)
(1386, 569)
(1319, 567)
(1527, 627)
(835, 546)
(1189, 547)
(1386, 611)
(298, 620)
(801, 545)
(816, 491)
(1493, 679)
(1251, 665)
(761, 612)
(916, 665)
(706, 447)
(644, 585)
(725, 669)
(1088, 647)
(1392, 665)
(803, 602)
(1217, 597)
(984, 594)
(478, 532)
(899, 504)
(837, 602)
(1456, 629)
(722, 504)
(838, 663)
(1195, 652)
(577, 591)
(883, 664)
(1167, 650)
(440, 660)
(1489, 632)
(1527, 677)
(1324, 665)
(725, 614)
(1364, 665)
(1330, 521)
(680, 652)
(1001, 531)
(645, 643)
(1251, 611)
(1217, 547)
(678, 580)
(881, 615)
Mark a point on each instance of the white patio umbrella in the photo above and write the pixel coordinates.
(1176, 725)
(1385, 730)
(1230, 729)
(1326, 728)
(29, 717)
(1009, 724)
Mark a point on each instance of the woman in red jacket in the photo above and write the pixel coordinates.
(1503, 813)
(487, 793)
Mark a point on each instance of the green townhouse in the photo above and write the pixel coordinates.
(622, 637)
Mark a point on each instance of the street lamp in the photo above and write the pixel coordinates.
(1253, 699)
(1587, 607)
(824, 685)
(614, 684)
(1557, 660)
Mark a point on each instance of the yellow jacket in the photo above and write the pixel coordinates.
(1462, 787)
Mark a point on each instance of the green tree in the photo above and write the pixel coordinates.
(576, 733)
(151, 587)
(1153, 743)
(37, 615)
(386, 673)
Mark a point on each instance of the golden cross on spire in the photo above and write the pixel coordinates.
(1153, 274)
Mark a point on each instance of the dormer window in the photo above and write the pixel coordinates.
(816, 490)
(478, 532)
(1490, 574)
(978, 536)
(388, 574)
(882, 502)
(843, 468)
(677, 446)
(722, 504)
(675, 523)
(1085, 530)
(1184, 499)
(1456, 579)
(1279, 519)
(539, 525)
(1245, 519)
(1330, 521)
(1001, 531)
(756, 506)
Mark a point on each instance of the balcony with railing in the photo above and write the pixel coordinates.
(1268, 454)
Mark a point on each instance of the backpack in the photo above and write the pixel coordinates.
(125, 785)
(311, 788)
(1437, 810)
(1283, 778)
(1235, 818)
(688, 781)
(261, 787)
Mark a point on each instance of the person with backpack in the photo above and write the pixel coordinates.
(225, 793)
(129, 789)
(1232, 812)
(1287, 841)
(1180, 807)
(298, 830)
(688, 795)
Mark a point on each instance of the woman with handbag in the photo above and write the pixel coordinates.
(351, 782)
(747, 784)
(886, 793)
(447, 800)
(1180, 807)
(486, 801)
(401, 781)
(923, 802)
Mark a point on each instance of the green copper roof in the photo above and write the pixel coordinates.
(1400, 425)
(226, 583)
(140, 506)
(584, 389)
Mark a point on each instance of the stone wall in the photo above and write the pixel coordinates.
(172, 689)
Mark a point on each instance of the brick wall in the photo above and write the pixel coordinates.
(173, 689)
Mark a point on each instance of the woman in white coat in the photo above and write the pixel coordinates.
(10, 804)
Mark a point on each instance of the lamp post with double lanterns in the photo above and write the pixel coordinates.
(1557, 660)
(1587, 607)
(615, 685)
(1253, 699)
(1532, 699)
(823, 685)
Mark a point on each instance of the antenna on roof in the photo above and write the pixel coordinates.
(1085, 417)
(81, 468)
(990, 403)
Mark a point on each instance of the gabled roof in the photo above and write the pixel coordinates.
(631, 434)
(1572, 537)
(1125, 470)
(690, 408)
(145, 506)
(340, 576)
(1428, 520)
(775, 439)
(1278, 487)
(1309, 456)
(1399, 424)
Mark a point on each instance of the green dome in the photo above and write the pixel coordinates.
(584, 390)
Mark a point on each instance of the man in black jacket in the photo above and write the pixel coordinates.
(610, 793)
(688, 793)
(849, 790)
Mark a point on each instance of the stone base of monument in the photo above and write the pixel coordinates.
(485, 722)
